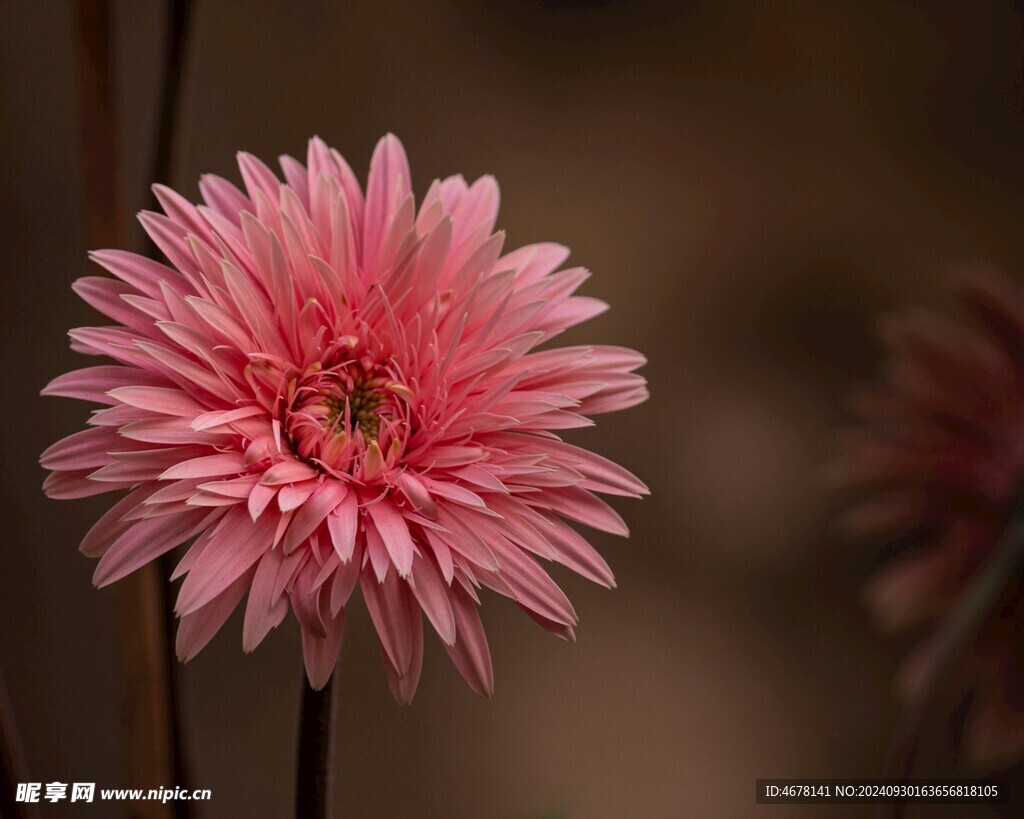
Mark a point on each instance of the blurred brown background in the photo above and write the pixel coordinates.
(750, 184)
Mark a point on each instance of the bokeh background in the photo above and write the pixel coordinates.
(751, 184)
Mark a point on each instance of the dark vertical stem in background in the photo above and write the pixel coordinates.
(99, 136)
(13, 768)
(176, 39)
(316, 742)
(146, 720)
(172, 70)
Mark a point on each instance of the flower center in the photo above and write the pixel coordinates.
(356, 405)
(335, 414)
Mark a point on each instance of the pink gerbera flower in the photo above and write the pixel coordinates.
(328, 390)
(940, 454)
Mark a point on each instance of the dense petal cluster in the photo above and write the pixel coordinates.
(940, 454)
(326, 390)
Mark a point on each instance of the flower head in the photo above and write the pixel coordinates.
(940, 455)
(326, 390)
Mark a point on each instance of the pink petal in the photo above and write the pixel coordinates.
(572, 550)
(237, 546)
(289, 471)
(432, 594)
(95, 383)
(221, 418)
(62, 485)
(403, 686)
(531, 585)
(470, 653)
(311, 605)
(143, 542)
(232, 488)
(263, 611)
(145, 275)
(320, 654)
(454, 492)
(192, 555)
(106, 296)
(111, 525)
(210, 466)
(293, 496)
(607, 476)
(376, 551)
(417, 494)
(167, 430)
(313, 512)
(533, 262)
(259, 499)
(345, 578)
(223, 197)
(197, 629)
(342, 524)
(464, 540)
(442, 554)
(391, 610)
(388, 185)
(258, 177)
(83, 450)
(476, 211)
(560, 630)
(296, 176)
(395, 534)
(170, 238)
(579, 505)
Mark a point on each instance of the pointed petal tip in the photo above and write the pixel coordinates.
(100, 580)
(319, 681)
(185, 655)
(636, 489)
(403, 697)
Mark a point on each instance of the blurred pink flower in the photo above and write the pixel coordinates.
(940, 454)
(327, 390)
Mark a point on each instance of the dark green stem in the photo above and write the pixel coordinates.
(315, 751)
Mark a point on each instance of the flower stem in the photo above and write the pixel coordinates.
(175, 52)
(146, 720)
(951, 642)
(13, 768)
(316, 743)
